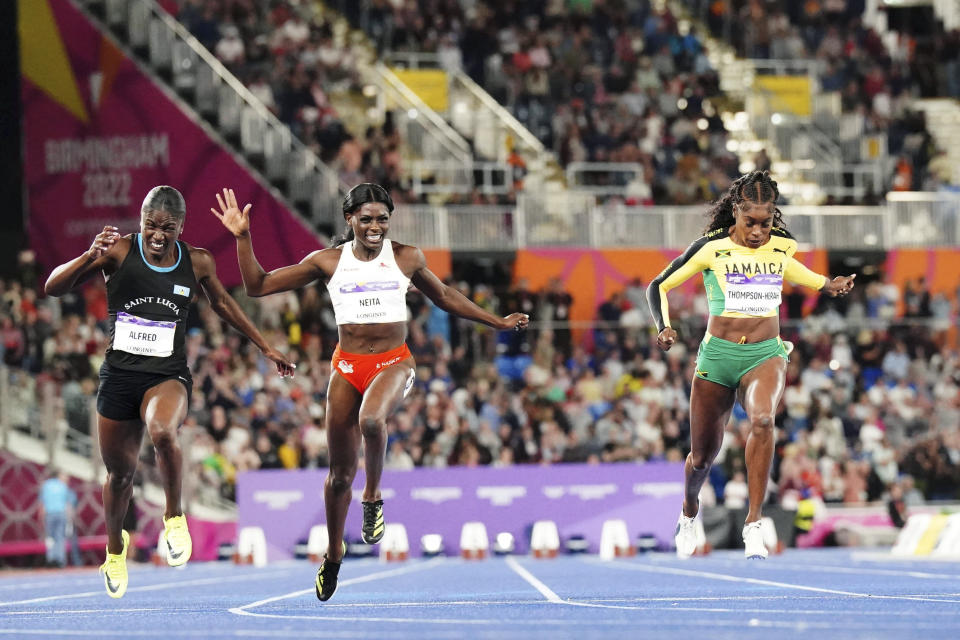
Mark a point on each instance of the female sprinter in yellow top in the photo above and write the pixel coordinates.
(744, 257)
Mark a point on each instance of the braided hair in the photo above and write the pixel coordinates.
(757, 187)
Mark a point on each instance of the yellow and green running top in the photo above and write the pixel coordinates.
(741, 282)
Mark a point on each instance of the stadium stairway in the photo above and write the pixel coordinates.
(737, 82)
(203, 86)
(474, 129)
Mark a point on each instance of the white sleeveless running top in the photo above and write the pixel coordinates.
(371, 292)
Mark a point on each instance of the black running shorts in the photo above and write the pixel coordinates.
(121, 391)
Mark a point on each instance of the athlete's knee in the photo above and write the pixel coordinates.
(701, 460)
(119, 478)
(761, 425)
(163, 435)
(340, 479)
(372, 426)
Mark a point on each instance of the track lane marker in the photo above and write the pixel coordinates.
(242, 610)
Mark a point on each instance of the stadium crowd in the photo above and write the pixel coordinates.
(612, 81)
(639, 96)
(292, 67)
(596, 82)
(872, 399)
(876, 78)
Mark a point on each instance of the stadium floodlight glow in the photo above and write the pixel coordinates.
(431, 544)
(702, 124)
(732, 146)
(504, 543)
(776, 118)
(682, 104)
(412, 113)
(370, 90)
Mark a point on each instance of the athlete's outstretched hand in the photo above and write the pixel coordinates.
(666, 338)
(235, 220)
(517, 321)
(839, 286)
(284, 367)
(102, 243)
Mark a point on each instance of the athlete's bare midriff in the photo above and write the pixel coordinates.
(747, 330)
(372, 338)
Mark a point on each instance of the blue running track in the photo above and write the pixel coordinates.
(819, 594)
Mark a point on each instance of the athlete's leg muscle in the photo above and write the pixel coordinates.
(710, 406)
(382, 397)
(163, 409)
(761, 388)
(343, 441)
(120, 449)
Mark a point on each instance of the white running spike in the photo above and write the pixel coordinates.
(769, 532)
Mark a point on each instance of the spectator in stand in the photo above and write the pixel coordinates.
(55, 511)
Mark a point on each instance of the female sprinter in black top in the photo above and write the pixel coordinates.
(152, 279)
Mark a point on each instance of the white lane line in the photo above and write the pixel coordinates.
(768, 583)
(680, 624)
(206, 633)
(242, 610)
(544, 590)
(153, 587)
(852, 570)
(58, 612)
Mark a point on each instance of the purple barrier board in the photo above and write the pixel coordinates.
(99, 133)
(578, 497)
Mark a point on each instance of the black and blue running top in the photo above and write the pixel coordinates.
(148, 309)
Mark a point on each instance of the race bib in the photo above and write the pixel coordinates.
(143, 337)
(756, 296)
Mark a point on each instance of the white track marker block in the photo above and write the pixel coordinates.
(949, 543)
(474, 542)
(394, 546)
(317, 542)
(769, 533)
(909, 538)
(545, 539)
(615, 541)
(251, 547)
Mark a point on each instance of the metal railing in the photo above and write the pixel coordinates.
(848, 181)
(55, 424)
(906, 220)
(57, 416)
(492, 127)
(474, 112)
(413, 59)
(603, 178)
(196, 74)
(430, 176)
(918, 218)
